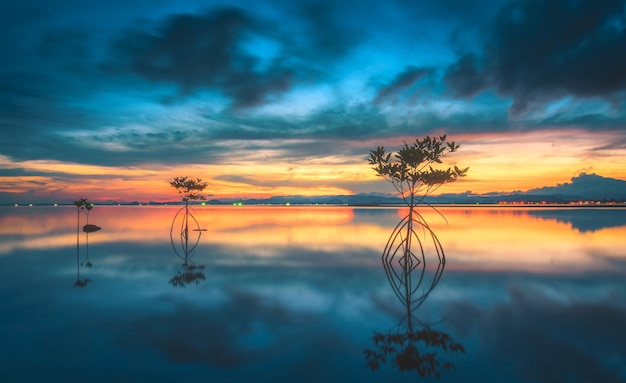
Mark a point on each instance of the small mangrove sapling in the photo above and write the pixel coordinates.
(188, 189)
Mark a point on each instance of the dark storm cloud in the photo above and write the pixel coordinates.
(45, 63)
(65, 44)
(43, 86)
(465, 78)
(205, 51)
(403, 81)
(547, 340)
(465, 11)
(327, 27)
(211, 52)
(542, 51)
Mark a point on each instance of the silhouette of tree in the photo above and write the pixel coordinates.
(411, 171)
(189, 189)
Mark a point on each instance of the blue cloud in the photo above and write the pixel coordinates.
(538, 52)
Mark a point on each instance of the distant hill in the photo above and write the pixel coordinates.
(584, 187)
(353, 200)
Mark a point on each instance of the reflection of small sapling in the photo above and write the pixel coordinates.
(83, 205)
(189, 189)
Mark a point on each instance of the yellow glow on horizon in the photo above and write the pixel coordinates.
(498, 162)
(507, 162)
(486, 239)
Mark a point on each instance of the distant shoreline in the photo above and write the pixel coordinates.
(321, 205)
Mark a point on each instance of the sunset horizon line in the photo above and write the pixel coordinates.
(443, 197)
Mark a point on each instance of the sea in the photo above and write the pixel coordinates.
(313, 294)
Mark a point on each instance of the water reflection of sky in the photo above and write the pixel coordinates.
(295, 294)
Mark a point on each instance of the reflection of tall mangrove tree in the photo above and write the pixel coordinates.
(185, 230)
(410, 170)
(406, 255)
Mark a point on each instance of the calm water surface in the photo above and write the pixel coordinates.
(295, 294)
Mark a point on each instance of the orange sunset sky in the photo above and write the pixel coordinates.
(260, 99)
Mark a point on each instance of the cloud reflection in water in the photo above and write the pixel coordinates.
(274, 308)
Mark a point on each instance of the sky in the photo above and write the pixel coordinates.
(111, 100)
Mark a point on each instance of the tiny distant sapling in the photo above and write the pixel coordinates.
(82, 205)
